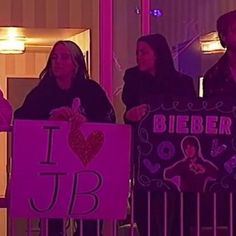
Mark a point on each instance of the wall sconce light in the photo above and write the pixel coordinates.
(210, 44)
(12, 45)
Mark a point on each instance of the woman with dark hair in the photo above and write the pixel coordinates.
(64, 78)
(154, 77)
(64, 91)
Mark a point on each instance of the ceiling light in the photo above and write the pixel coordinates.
(210, 44)
(12, 45)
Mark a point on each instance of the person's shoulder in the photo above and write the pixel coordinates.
(132, 70)
(90, 84)
(39, 88)
(217, 69)
(212, 70)
(131, 73)
(38, 92)
(185, 86)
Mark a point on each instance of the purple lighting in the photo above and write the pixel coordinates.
(137, 10)
(156, 12)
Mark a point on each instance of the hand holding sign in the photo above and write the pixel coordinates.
(136, 113)
(61, 113)
(68, 113)
(197, 168)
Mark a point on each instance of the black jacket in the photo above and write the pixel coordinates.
(140, 87)
(218, 82)
(48, 96)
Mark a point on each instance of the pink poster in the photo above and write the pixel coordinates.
(61, 171)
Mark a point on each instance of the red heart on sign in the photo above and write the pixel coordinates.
(85, 149)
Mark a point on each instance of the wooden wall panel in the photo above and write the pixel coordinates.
(29, 13)
(41, 13)
(182, 20)
(52, 16)
(5, 11)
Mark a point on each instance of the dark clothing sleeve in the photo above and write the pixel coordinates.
(130, 93)
(34, 107)
(218, 82)
(208, 85)
(97, 106)
(188, 90)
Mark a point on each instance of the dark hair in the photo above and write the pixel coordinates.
(159, 45)
(77, 57)
(190, 140)
(223, 23)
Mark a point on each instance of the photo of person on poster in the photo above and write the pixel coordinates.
(194, 171)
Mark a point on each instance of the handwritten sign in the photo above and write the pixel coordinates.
(59, 171)
(187, 147)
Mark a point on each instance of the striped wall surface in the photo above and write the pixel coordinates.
(49, 14)
(55, 14)
(126, 30)
(184, 19)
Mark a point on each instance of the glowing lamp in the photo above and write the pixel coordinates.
(12, 45)
(210, 44)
